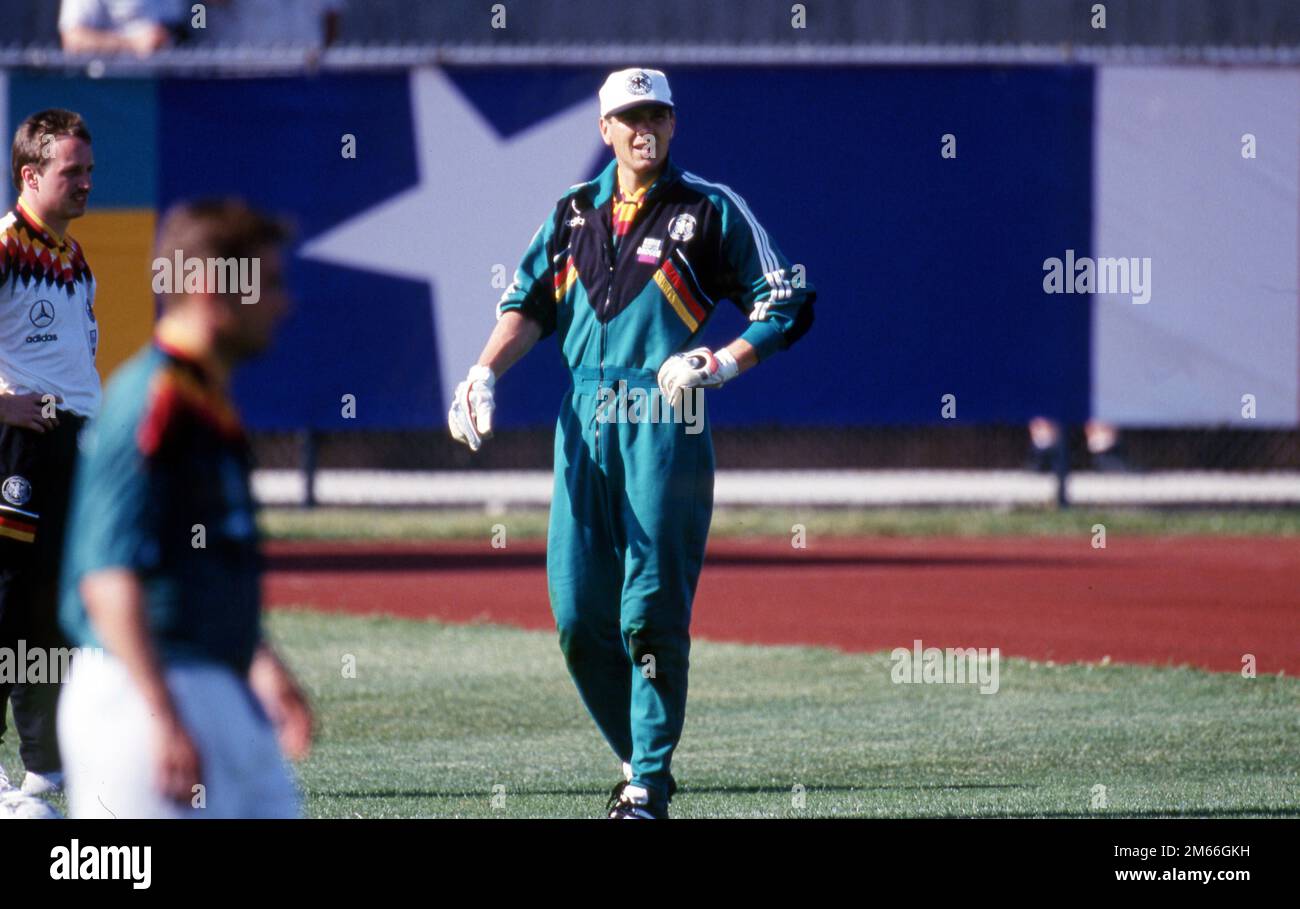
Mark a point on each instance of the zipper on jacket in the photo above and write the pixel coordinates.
(612, 252)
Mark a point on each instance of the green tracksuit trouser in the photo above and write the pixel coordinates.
(628, 525)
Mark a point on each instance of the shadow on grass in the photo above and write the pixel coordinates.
(683, 791)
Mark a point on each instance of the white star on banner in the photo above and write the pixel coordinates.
(478, 203)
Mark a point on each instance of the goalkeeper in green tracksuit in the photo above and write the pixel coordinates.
(626, 270)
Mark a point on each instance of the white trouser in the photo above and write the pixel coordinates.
(106, 737)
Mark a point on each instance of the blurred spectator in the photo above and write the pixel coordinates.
(267, 23)
(121, 26)
(1105, 448)
(1044, 435)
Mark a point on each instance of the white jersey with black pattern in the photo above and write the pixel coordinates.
(48, 332)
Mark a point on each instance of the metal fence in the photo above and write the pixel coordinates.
(829, 466)
(581, 26)
(811, 448)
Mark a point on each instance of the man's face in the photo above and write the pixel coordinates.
(252, 325)
(62, 187)
(640, 136)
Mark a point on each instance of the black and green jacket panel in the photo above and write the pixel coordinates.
(694, 243)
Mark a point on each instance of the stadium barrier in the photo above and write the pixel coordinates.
(854, 448)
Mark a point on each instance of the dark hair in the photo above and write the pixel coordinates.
(31, 142)
(217, 229)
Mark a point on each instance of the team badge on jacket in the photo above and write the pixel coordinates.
(682, 228)
(649, 250)
(17, 490)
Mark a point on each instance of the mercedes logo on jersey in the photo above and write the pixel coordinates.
(42, 314)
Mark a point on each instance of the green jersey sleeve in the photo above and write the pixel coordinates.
(772, 292)
(532, 292)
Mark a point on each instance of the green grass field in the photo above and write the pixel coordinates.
(438, 715)
(452, 524)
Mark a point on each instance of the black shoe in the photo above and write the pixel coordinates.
(615, 796)
(620, 807)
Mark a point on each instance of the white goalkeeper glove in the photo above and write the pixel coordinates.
(698, 368)
(470, 417)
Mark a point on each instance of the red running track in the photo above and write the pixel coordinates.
(1201, 601)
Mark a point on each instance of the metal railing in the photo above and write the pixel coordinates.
(246, 61)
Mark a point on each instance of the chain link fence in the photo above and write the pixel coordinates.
(825, 467)
(810, 448)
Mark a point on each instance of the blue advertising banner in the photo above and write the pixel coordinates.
(415, 194)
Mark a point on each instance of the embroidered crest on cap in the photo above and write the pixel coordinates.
(639, 83)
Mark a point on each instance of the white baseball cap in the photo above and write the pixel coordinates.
(630, 87)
